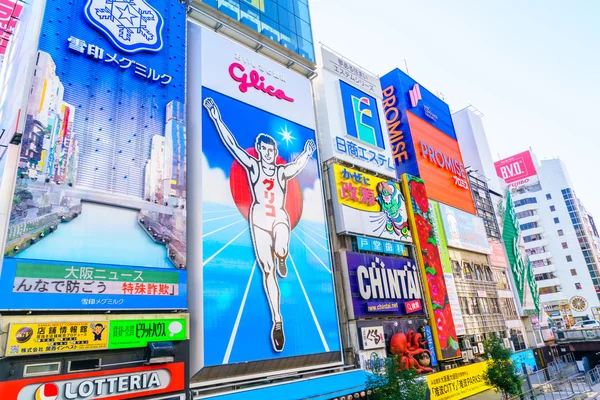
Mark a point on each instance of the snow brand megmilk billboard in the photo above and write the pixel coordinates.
(99, 209)
(264, 286)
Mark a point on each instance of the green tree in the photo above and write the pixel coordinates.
(390, 382)
(500, 372)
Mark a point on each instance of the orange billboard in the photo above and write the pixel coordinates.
(441, 165)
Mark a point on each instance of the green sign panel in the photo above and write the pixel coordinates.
(126, 334)
(521, 271)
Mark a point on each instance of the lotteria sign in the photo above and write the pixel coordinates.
(383, 286)
(113, 384)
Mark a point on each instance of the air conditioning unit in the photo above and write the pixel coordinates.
(465, 356)
(466, 344)
(470, 354)
(475, 350)
(506, 343)
(478, 338)
(481, 348)
(447, 366)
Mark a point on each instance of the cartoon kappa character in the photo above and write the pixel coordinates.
(390, 200)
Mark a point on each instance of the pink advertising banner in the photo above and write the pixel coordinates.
(498, 256)
(516, 168)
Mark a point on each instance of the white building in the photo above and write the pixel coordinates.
(488, 194)
(559, 239)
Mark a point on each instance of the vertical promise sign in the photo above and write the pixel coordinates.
(98, 218)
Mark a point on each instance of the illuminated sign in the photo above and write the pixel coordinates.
(256, 81)
(458, 383)
(393, 121)
(367, 205)
(115, 384)
(443, 161)
(26, 339)
(383, 286)
(436, 295)
(362, 116)
(415, 95)
(517, 170)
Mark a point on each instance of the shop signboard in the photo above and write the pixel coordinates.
(98, 216)
(431, 268)
(423, 140)
(26, 339)
(517, 170)
(498, 255)
(364, 204)
(440, 237)
(458, 383)
(264, 282)
(463, 230)
(380, 286)
(381, 246)
(372, 337)
(113, 384)
(350, 114)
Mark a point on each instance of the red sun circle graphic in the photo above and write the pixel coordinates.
(48, 391)
(242, 196)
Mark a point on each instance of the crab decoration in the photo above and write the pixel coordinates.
(408, 347)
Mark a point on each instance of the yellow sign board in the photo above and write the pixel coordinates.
(458, 383)
(362, 191)
(56, 337)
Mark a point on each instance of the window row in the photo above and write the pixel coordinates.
(528, 200)
(472, 271)
(479, 305)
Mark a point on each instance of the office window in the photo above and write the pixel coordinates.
(578, 286)
(573, 271)
(560, 232)
(548, 196)
(569, 258)
(552, 208)
(565, 245)
(556, 221)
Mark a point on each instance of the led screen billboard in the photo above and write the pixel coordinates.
(264, 290)
(99, 210)
(463, 230)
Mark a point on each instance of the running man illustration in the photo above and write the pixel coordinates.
(269, 221)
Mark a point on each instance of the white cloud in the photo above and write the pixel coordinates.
(312, 209)
(215, 186)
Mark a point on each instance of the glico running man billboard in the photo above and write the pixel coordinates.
(265, 287)
(98, 216)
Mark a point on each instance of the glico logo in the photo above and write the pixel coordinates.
(362, 117)
(255, 81)
(131, 26)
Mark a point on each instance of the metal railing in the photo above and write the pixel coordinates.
(557, 390)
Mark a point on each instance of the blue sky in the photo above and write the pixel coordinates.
(530, 67)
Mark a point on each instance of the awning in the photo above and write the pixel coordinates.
(314, 388)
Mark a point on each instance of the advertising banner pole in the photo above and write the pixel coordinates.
(430, 264)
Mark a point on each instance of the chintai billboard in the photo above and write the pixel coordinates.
(98, 219)
(379, 286)
(262, 295)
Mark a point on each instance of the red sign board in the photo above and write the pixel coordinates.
(115, 384)
(413, 306)
(516, 168)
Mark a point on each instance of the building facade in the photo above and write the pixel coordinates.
(557, 234)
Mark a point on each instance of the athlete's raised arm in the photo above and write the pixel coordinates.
(292, 169)
(226, 136)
